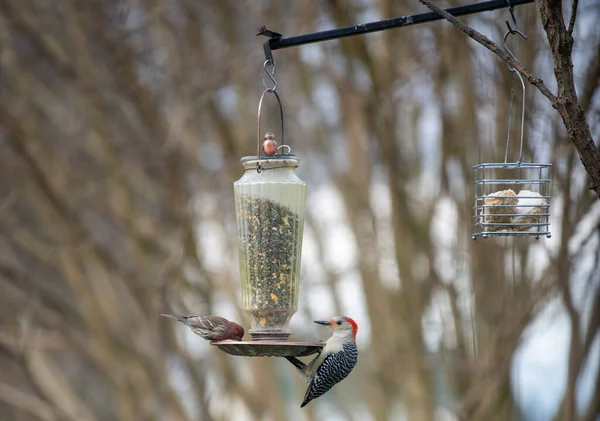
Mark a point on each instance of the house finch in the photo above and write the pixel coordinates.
(213, 328)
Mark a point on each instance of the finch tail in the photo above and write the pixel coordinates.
(178, 318)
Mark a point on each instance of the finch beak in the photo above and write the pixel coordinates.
(323, 322)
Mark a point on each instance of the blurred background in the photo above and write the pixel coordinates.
(122, 123)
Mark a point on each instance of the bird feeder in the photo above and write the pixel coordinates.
(270, 201)
(512, 198)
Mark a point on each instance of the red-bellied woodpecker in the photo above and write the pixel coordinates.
(334, 363)
(213, 328)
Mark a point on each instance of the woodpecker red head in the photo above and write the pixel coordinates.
(336, 360)
(341, 324)
(212, 328)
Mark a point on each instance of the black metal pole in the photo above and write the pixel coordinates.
(365, 28)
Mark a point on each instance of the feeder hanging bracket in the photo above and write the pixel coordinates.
(276, 40)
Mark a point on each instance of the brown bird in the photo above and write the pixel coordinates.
(212, 328)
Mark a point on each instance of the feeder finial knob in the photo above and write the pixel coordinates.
(269, 146)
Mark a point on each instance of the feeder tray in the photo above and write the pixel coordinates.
(269, 348)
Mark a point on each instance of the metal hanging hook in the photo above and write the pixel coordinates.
(512, 31)
(258, 147)
(266, 65)
(511, 9)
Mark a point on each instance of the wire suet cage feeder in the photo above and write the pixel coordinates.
(512, 198)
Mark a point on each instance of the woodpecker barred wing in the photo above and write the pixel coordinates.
(334, 369)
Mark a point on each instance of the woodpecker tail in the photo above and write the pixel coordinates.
(297, 363)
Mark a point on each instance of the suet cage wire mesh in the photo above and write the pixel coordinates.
(511, 199)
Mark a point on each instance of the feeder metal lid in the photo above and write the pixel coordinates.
(249, 162)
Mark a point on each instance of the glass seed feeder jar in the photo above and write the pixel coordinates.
(270, 201)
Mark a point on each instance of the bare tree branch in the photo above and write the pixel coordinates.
(566, 103)
(591, 413)
(593, 323)
(27, 402)
(592, 80)
(494, 48)
(573, 116)
(573, 17)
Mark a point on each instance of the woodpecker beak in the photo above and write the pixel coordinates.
(323, 322)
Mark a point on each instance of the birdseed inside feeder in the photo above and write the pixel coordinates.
(270, 202)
